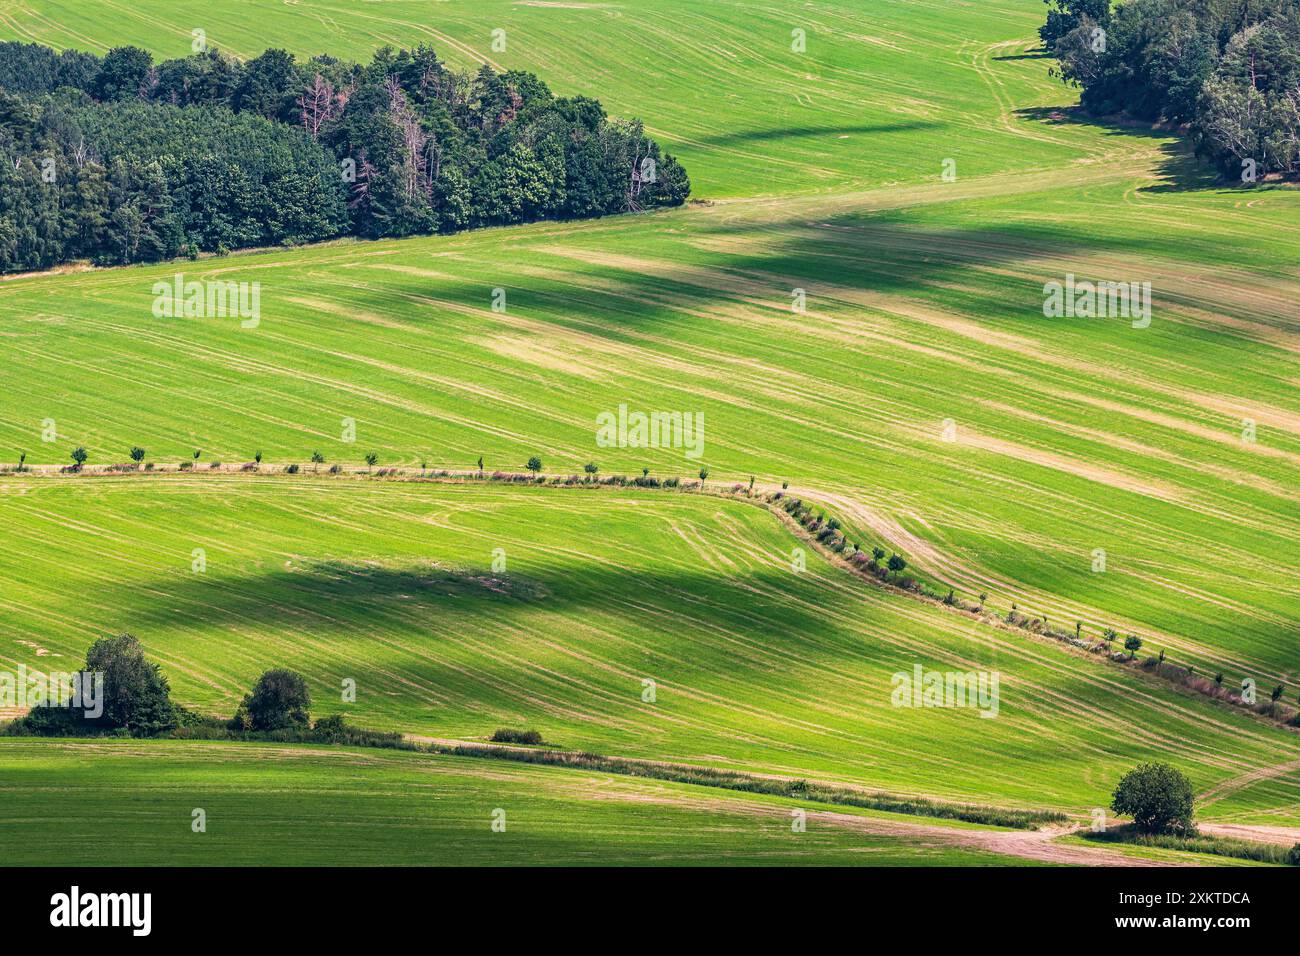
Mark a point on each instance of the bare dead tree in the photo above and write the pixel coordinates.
(361, 188)
(415, 159)
(318, 104)
(642, 173)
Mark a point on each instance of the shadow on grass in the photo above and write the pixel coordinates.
(427, 601)
(801, 132)
(1180, 169)
(1037, 54)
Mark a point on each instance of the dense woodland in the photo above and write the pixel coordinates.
(119, 159)
(1228, 70)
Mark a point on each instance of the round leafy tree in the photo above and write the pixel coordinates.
(1158, 797)
(279, 700)
(136, 695)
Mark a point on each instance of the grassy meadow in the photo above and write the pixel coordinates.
(922, 397)
(755, 667)
(132, 803)
(924, 305)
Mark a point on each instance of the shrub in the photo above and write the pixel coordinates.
(330, 729)
(1158, 797)
(278, 700)
(336, 469)
(507, 736)
(291, 470)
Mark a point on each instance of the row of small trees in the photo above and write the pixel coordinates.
(137, 455)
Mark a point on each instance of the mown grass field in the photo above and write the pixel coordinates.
(131, 804)
(755, 666)
(923, 309)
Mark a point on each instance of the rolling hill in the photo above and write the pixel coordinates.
(919, 394)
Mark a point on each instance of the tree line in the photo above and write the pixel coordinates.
(118, 159)
(1226, 70)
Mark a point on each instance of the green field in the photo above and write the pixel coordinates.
(924, 323)
(756, 667)
(132, 804)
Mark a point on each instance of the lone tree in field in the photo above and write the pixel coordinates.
(22, 461)
(704, 474)
(79, 457)
(317, 459)
(645, 472)
(257, 457)
(279, 700)
(136, 695)
(197, 452)
(371, 460)
(897, 564)
(534, 465)
(480, 464)
(1278, 691)
(591, 468)
(1158, 797)
(877, 553)
(137, 454)
(1132, 644)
